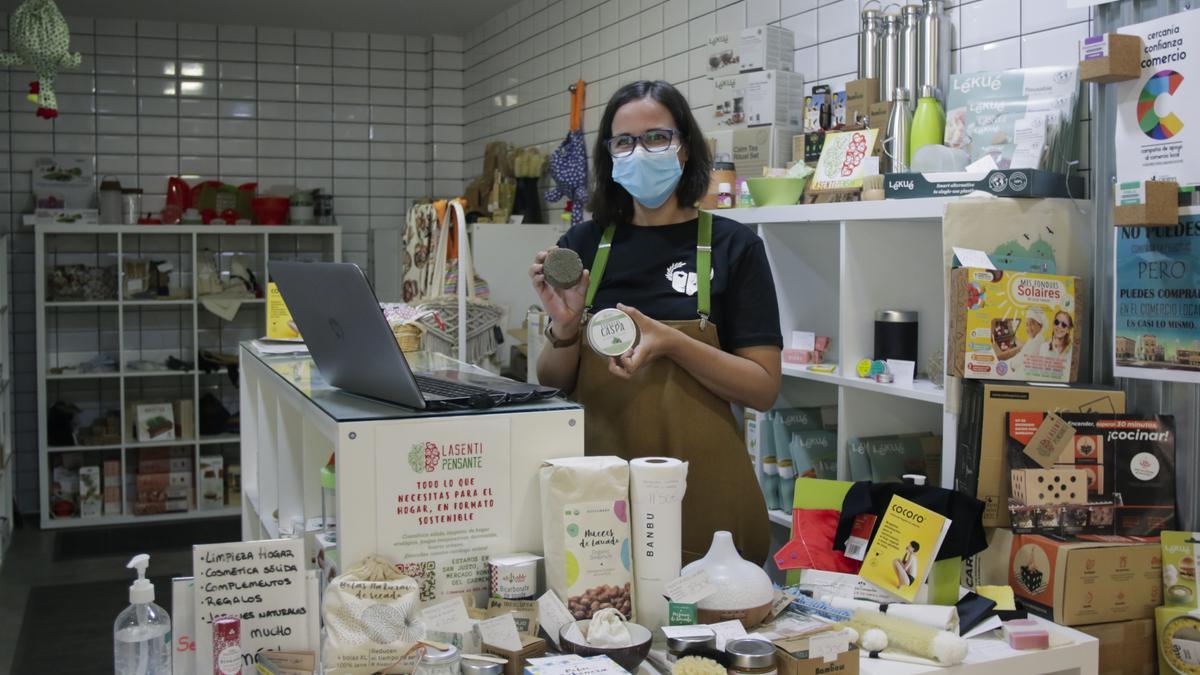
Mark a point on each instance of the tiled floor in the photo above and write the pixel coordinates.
(30, 562)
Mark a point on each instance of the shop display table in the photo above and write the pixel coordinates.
(440, 490)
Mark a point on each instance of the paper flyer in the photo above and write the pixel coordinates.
(902, 553)
(1156, 111)
(1157, 301)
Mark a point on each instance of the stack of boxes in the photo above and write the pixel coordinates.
(212, 482)
(1178, 620)
(758, 102)
(164, 481)
(112, 487)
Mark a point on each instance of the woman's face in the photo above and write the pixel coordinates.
(1062, 325)
(637, 117)
(1033, 326)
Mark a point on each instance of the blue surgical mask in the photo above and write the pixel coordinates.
(649, 177)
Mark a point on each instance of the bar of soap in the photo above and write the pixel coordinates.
(562, 268)
(1026, 634)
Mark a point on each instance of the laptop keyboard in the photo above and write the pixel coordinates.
(440, 387)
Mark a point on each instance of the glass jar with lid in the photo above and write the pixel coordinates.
(751, 657)
(683, 645)
(436, 661)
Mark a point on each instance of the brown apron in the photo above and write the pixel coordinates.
(664, 411)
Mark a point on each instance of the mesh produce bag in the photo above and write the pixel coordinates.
(371, 619)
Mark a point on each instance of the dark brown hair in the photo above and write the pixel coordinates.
(610, 203)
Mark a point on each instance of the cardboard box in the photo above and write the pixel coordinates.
(154, 422)
(1078, 583)
(1180, 551)
(531, 648)
(990, 337)
(754, 48)
(1110, 57)
(185, 418)
(759, 99)
(212, 482)
(1153, 203)
(790, 658)
(1026, 183)
(91, 492)
(761, 147)
(1177, 641)
(860, 96)
(990, 566)
(1126, 647)
(981, 465)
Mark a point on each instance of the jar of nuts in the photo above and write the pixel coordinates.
(601, 597)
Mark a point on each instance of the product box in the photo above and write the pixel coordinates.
(1001, 183)
(1126, 647)
(982, 467)
(63, 183)
(159, 487)
(1110, 57)
(1180, 551)
(759, 99)
(279, 320)
(112, 487)
(885, 459)
(531, 648)
(1177, 640)
(91, 495)
(1077, 583)
(1150, 203)
(233, 485)
(754, 48)
(860, 96)
(185, 418)
(212, 482)
(154, 422)
(845, 663)
(1020, 326)
(989, 567)
(752, 150)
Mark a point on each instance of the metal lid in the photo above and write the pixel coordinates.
(688, 643)
(910, 10)
(750, 653)
(470, 666)
(896, 315)
(110, 183)
(901, 94)
(871, 14)
(724, 166)
(928, 91)
(891, 20)
(435, 656)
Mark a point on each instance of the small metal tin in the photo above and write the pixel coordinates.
(469, 666)
(750, 654)
(434, 656)
(686, 643)
(611, 332)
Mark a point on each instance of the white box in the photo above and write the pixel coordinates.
(759, 99)
(91, 494)
(758, 147)
(754, 48)
(212, 483)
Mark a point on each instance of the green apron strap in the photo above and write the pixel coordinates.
(704, 267)
(598, 265)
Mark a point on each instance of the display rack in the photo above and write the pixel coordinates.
(835, 265)
(7, 466)
(128, 330)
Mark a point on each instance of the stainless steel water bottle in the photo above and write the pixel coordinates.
(910, 49)
(869, 35)
(935, 47)
(889, 59)
(896, 135)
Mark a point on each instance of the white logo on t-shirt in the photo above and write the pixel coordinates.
(682, 280)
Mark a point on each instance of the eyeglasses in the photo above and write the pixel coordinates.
(654, 140)
(1062, 324)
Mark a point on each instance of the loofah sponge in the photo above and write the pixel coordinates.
(944, 647)
(563, 268)
(697, 665)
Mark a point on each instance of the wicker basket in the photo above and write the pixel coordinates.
(408, 336)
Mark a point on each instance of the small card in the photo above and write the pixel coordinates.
(691, 588)
(804, 340)
(782, 600)
(553, 615)
(828, 646)
(969, 257)
(727, 630)
(449, 616)
(1053, 437)
(686, 631)
(165, 267)
(985, 164)
(501, 631)
(681, 613)
(860, 536)
(902, 372)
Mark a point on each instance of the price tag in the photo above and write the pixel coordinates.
(1050, 441)
(726, 631)
(681, 614)
(860, 536)
(828, 646)
(686, 631)
(501, 631)
(691, 588)
(449, 616)
(553, 615)
(782, 600)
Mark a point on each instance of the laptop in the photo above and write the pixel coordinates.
(353, 346)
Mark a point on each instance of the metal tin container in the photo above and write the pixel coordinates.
(611, 332)
(910, 49)
(751, 657)
(868, 44)
(679, 647)
(889, 57)
(469, 666)
(935, 46)
(896, 335)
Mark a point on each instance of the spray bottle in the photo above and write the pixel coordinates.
(142, 632)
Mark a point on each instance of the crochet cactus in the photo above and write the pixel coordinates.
(40, 39)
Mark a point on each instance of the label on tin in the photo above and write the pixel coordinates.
(612, 332)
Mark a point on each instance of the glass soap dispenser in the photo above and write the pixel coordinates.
(142, 632)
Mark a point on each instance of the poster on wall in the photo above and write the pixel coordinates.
(444, 502)
(1157, 304)
(1159, 111)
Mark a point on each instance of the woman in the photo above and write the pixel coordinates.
(701, 346)
(905, 566)
(1059, 343)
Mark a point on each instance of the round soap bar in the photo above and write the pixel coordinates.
(562, 268)
(611, 332)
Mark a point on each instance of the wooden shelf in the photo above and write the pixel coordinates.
(780, 518)
(920, 390)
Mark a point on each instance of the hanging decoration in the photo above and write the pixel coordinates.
(41, 40)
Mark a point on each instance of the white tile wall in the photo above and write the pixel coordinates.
(347, 112)
(518, 64)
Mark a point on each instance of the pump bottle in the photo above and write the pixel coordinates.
(142, 632)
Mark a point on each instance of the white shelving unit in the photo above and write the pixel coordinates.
(128, 330)
(835, 265)
(7, 465)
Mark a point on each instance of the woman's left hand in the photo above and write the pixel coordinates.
(655, 339)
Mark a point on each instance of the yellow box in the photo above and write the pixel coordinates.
(1015, 326)
(279, 320)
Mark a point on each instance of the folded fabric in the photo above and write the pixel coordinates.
(972, 609)
(811, 546)
(965, 536)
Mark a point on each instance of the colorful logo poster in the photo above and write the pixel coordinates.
(1158, 112)
(1157, 304)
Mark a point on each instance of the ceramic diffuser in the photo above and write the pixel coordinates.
(744, 590)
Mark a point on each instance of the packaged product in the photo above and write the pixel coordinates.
(586, 534)
(371, 618)
(1180, 550)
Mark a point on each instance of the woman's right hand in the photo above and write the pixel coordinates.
(565, 306)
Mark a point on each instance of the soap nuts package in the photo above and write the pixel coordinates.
(586, 534)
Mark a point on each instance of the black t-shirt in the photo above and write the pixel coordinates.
(654, 270)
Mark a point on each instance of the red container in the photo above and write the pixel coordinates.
(270, 210)
(227, 645)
